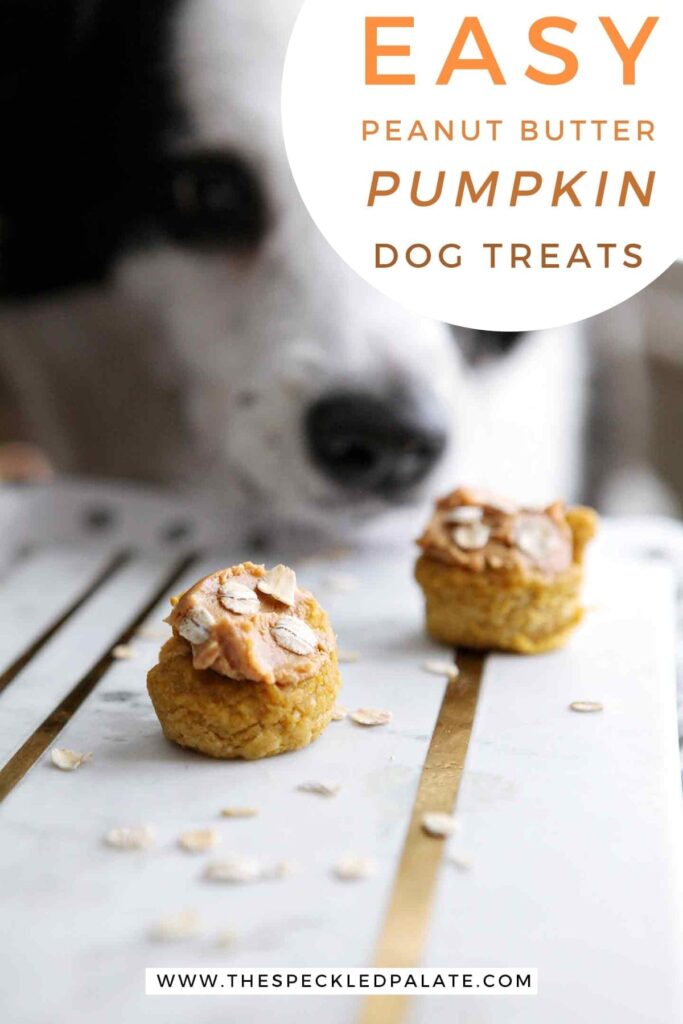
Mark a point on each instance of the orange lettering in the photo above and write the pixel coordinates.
(540, 43)
(487, 61)
(629, 54)
(373, 51)
(375, 190)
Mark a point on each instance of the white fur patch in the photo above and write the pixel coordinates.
(254, 340)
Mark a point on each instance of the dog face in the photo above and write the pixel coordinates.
(311, 394)
(325, 399)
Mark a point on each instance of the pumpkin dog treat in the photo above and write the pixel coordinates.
(251, 669)
(497, 576)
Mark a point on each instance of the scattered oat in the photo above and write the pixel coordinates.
(353, 869)
(473, 537)
(371, 716)
(343, 582)
(348, 657)
(464, 515)
(441, 668)
(460, 861)
(495, 562)
(175, 927)
(196, 625)
(123, 652)
(279, 583)
(239, 812)
(294, 635)
(226, 939)
(68, 760)
(319, 788)
(234, 870)
(439, 825)
(339, 713)
(237, 598)
(586, 707)
(198, 840)
(126, 837)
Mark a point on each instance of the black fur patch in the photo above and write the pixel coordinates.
(484, 346)
(86, 91)
(86, 94)
(209, 199)
(85, 98)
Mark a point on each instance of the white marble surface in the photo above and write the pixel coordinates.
(572, 823)
(46, 583)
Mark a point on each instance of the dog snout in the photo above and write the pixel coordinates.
(374, 445)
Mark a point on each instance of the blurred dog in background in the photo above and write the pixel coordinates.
(170, 312)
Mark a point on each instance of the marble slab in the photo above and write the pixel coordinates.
(572, 823)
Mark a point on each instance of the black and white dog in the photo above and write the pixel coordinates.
(170, 311)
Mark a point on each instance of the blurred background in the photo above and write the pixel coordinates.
(661, 310)
(89, 94)
(641, 404)
(634, 429)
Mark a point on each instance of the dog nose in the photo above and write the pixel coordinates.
(371, 444)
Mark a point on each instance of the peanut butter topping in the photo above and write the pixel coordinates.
(249, 624)
(477, 530)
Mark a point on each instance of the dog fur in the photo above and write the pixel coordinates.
(137, 345)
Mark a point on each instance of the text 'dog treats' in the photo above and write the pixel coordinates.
(499, 576)
(251, 669)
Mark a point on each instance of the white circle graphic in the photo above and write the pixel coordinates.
(500, 166)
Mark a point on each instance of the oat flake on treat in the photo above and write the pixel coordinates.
(238, 599)
(473, 537)
(294, 635)
(464, 515)
(279, 583)
(196, 625)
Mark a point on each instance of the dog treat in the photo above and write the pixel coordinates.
(251, 669)
(498, 576)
